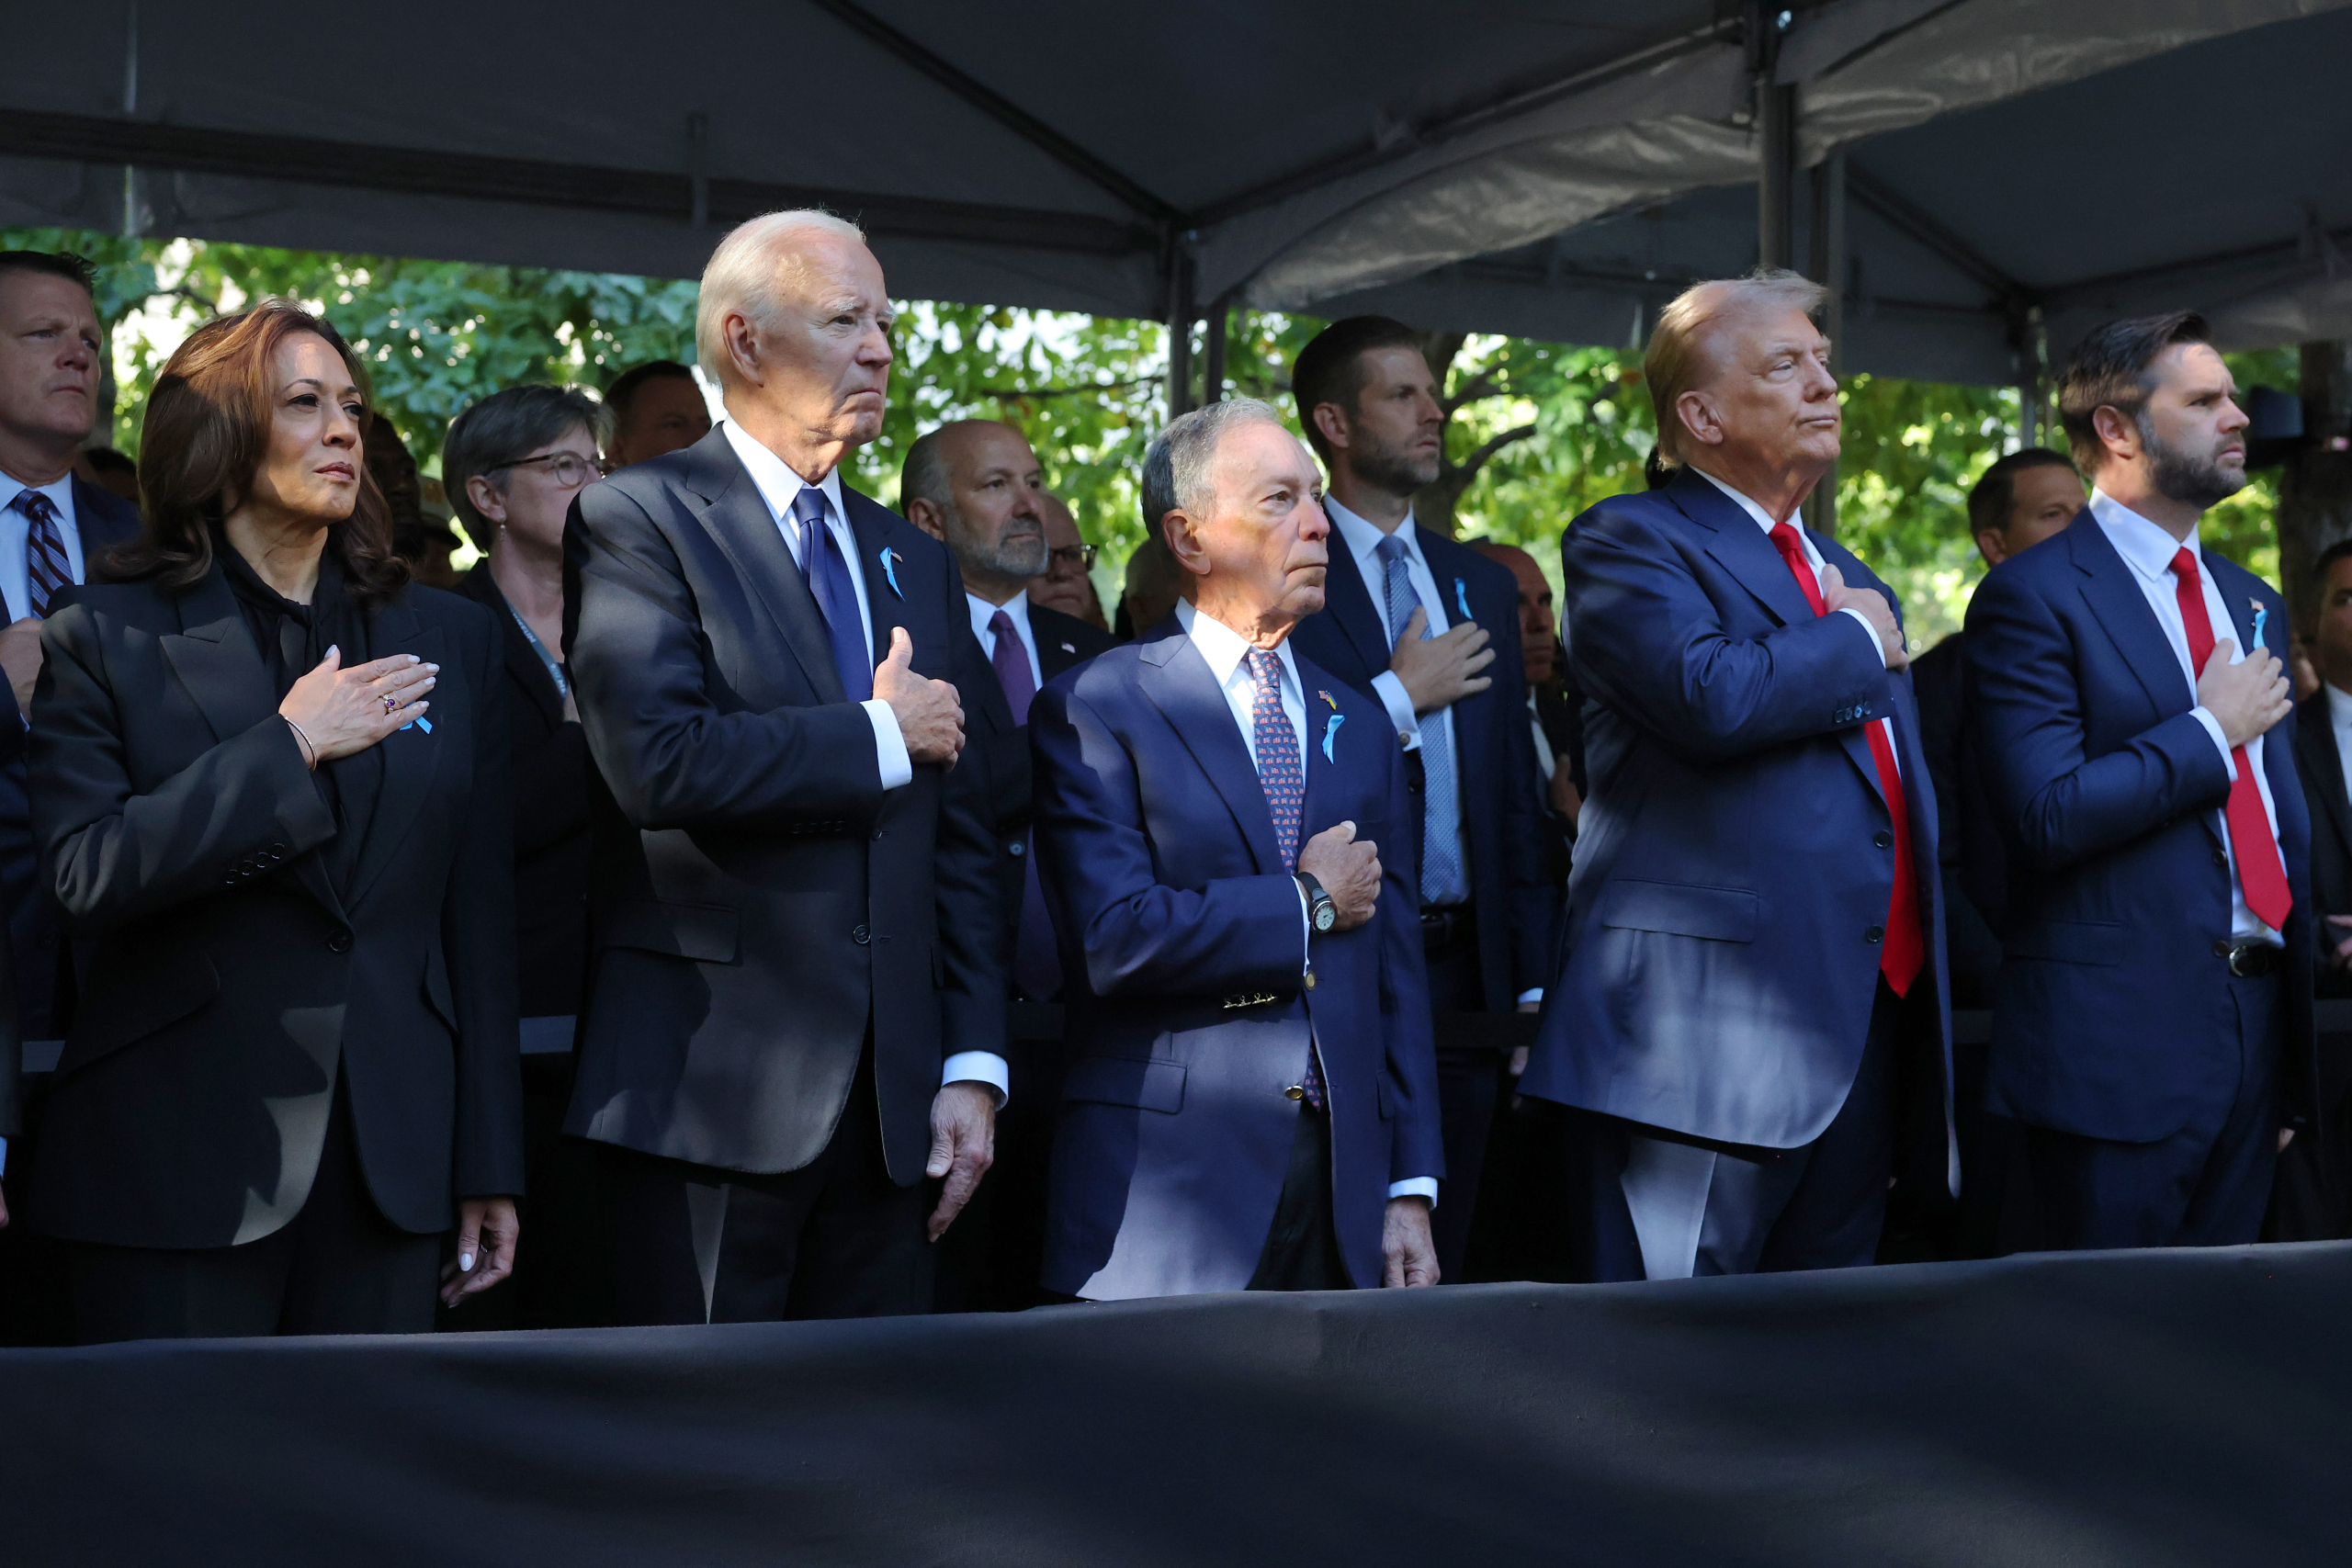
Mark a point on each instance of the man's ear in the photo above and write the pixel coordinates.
(1993, 544)
(1183, 537)
(742, 347)
(2117, 433)
(1698, 416)
(1333, 423)
(924, 514)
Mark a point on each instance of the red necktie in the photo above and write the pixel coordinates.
(1906, 942)
(2261, 873)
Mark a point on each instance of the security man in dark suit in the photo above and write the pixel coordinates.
(796, 1007)
(977, 488)
(1431, 628)
(53, 523)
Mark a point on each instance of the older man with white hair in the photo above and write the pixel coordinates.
(1754, 979)
(796, 1010)
(1251, 1090)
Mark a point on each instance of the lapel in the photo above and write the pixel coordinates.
(1177, 681)
(737, 518)
(222, 671)
(521, 662)
(1348, 600)
(1323, 778)
(2315, 746)
(869, 525)
(2113, 592)
(1741, 549)
(1059, 649)
(411, 755)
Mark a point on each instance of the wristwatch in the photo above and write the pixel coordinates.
(1321, 913)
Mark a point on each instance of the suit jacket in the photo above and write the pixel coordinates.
(760, 909)
(12, 1053)
(1969, 847)
(1494, 752)
(548, 776)
(2321, 770)
(994, 743)
(1735, 859)
(2113, 1018)
(1180, 934)
(103, 520)
(230, 980)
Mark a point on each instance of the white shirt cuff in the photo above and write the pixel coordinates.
(1877, 644)
(1399, 704)
(889, 746)
(2213, 727)
(1415, 1187)
(1532, 994)
(978, 1066)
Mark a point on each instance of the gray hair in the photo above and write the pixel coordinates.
(505, 426)
(923, 475)
(1176, 465)
(1677, 360)
(743, 274)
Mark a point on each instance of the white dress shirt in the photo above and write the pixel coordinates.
(1228, 652)
(13, 526)
(2148, 550)
(1016, 607)
(2339, 719)
(779, 487)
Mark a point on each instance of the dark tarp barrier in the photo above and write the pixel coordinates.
(2147, 1409)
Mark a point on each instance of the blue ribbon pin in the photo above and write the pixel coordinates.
(2261, 616)
(423, 724)
(1461, 600)
(1330, 730)
(890, 570)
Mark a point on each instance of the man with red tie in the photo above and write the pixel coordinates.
(1752, 1001)
(2152, 1021)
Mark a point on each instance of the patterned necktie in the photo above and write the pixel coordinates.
(1906, 940)
(827, 575)
(1283, 778)
(46, 566)
(2262, 875)
(1442, 857)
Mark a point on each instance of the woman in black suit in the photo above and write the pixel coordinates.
(269, 786)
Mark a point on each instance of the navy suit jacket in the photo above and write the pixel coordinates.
(1494, 751)
(759, 907)
(1187, 1013)
(103, 520)
(1735, 857)
(2113, 1018)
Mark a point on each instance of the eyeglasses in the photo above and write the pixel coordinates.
(1080, 555)
(571, 469)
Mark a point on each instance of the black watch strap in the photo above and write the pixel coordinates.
(1318, 901)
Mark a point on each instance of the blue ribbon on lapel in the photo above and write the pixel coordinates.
(890, 570)
(1330, 730)
(1461, 600)
(423, 724)
(2261, 616)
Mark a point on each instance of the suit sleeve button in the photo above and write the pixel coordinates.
(1875, 933)
(1017, 847)
(1882, 839)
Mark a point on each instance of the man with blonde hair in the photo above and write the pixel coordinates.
(1753, 961)
(796, 1010)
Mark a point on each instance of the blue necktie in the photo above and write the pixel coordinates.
(1441, 878)
(1282, 776)
(827, 575)
(46, 567)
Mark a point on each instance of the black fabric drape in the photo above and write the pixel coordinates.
(2145, 1408)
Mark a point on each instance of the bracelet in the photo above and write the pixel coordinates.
(309, 752)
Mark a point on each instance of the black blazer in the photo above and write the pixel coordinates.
(759, 908)
(1971, 863)
(2321, 768)
(547, 771)
(1495, 750)
(994, 744)
(228, 982)
(103, 520)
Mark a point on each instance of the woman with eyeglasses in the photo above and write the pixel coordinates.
(511, 465)
(268, 779)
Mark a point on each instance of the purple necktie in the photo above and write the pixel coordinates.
(1036, 967)
(46, 567)
(1283, 778)
(1012, 662)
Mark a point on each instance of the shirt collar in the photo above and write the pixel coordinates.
(1222, 645)
(2339, 706)
(2147, 547)
(59, 493)
(779, 486)
(1763, 518)
(983, 612)
(1362, 536)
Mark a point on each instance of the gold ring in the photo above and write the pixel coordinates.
(389, 705)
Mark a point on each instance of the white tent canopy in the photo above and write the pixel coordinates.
(1553, 171)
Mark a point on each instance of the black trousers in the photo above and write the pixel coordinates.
(1469, 1086)
(1302, 1250)
(836, 1238)
(340, 1268)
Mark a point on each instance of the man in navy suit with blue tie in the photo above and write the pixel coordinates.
(2152, 1022)
(1753, 994)
(1249, 1098)
(1429, 629)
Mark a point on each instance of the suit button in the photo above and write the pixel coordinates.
(1874, 934)
(2220, 950)
(1310, 979)
(339, 941)
(1018, 848)
(1295, 1091)
(860, 936)
(2221, 861)
(878, 835)
(1882, 839)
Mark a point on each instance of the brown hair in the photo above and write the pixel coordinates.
(1677, 360)
(205, 436)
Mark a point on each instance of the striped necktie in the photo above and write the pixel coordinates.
(47, 568)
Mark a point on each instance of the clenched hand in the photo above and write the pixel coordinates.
(1349, 871)
(929, 713)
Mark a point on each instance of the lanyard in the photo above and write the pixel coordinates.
(555, 671)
